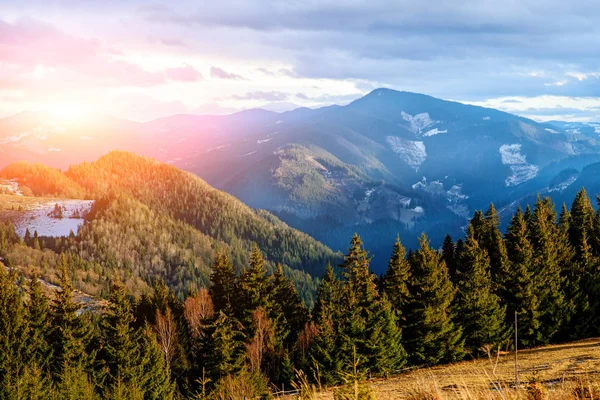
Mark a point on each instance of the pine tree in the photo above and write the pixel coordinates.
(521, 290)
(13, 330)
(430, 334)
(253, 289)
(120, 354)
(546, 272)
(327, 295)
(70, 334)
(224, 347)
(581, 220)
(288, 312)
(480, 311)
(493, 243)
(449, 256)
(363, 322)
(38, 318)
(396, 279)
(222, 290)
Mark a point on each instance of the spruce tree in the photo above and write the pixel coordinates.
(13, 331)
(253, 289)
(38, 319)
(396, 279)
(546, 272)
(362, 323)
(520, 288)
(222, 290)
(120, 354)
(581, 220)
(288, 312)
(449, 256)
(224, 347)
(481, 314)
(71, 333)
(431, 335)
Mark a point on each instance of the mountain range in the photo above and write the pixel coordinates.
(388, 163)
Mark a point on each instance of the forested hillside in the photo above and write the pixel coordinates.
(151, 220)
(250, 331)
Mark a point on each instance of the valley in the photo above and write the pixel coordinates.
(387, 163)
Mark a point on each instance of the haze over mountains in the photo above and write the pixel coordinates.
(390, 162)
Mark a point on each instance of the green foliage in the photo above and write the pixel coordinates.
(479, 310)
(431, 334)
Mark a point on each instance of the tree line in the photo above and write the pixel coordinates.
(250, 329)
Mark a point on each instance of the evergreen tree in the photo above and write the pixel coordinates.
(449, 256)
(70, 334)
(430, 334)
(121, 353)
(253, 289)
(397, 277)
(288, 312)
(520, 288)
(581, 220)
(363, 322)
(222, 290)
(38, 319)
(480, 311)
(13, 330)
(546, 272)
(225, 351)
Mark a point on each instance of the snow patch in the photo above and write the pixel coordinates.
(434, 131)
(521, 170)
(551, 130)
(260, 141)
(418, 123)
(53, 149)
(563, 185)
(278, 122)
(486, 118)
(418, 209)
(413, 153)
(249, 154)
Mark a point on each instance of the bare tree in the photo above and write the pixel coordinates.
(166, 333)
(262, 340)
(196, 310)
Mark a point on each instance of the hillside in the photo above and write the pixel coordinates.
(152, 220)
(564, 371)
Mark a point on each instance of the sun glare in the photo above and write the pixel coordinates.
(66, 112)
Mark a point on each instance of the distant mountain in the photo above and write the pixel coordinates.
(390, 162)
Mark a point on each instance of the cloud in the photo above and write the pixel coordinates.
(218, 73)
(28, 45)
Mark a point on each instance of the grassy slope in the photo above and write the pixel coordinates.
(560, 369)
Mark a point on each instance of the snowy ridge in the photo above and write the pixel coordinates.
(521, 171)
(413, 153)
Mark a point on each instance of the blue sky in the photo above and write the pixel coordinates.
(141, 60)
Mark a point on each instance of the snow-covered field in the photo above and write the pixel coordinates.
(412, 152)
(521, 170)
(10, 187)
(38, 219)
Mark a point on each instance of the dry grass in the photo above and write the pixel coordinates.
(566, 371)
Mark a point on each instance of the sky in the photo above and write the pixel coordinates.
(147, 59)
